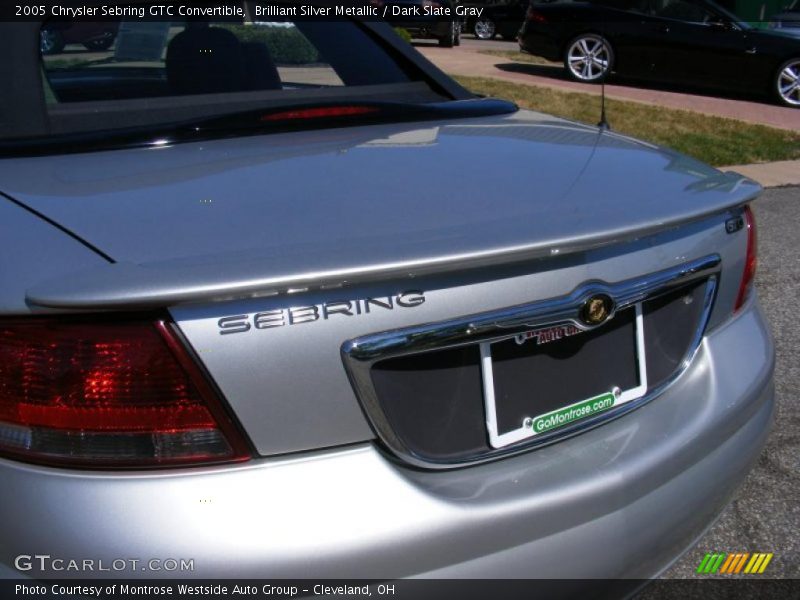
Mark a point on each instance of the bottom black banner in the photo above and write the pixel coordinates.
(460, 589)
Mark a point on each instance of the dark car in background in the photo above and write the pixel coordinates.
(787, 21)
(412, 16)
(672, 41)
(503, 18)
(93, 36)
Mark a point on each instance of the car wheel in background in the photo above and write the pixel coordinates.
(588, 58)
(787, 83)
(484, 29)
(449, 40)
(50, 41)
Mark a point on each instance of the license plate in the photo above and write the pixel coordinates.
(551, 378)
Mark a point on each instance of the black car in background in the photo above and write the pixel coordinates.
(499, 17)
(412, 16)
(787, 21)
(671, 41)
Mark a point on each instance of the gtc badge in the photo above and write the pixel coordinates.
(597, 309)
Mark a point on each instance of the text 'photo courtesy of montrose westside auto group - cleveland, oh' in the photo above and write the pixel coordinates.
(400, 298)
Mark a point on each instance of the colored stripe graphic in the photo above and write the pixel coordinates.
(726, 566)
(758, 563)
(730, 564)
(741, 562)
(766, 562)
(711, 562)
(752, 563)
(733, 561)
(702, 567)
(757, 566)
(718, 562)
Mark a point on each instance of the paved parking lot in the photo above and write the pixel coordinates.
(467, 60)
(765, 514)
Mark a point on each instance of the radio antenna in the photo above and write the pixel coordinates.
(603, 124)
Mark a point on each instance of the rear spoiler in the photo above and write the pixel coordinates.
(131, 286)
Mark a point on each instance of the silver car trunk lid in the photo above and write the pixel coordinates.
(259, 215)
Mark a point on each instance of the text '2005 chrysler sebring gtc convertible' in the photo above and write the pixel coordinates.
(257, 313)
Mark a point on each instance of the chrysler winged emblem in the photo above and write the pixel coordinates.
(596, 310)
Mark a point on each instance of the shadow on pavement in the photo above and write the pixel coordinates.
(551, 71)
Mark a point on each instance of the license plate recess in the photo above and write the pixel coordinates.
(553, 377)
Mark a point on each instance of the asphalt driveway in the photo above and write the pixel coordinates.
(765, 514)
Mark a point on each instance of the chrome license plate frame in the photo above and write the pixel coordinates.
(568, 414)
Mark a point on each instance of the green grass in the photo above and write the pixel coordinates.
(403, 33)
(67, 63)
(516, 56)
(715, 140)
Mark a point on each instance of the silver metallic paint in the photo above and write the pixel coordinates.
(643, 486)
(288, 385)
(34, 250)
(260, 215)
(605, 208)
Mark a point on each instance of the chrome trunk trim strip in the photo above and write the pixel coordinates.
(360, 354)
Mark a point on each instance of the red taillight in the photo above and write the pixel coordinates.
(535, 16)
(323, 112)
(102, 394)
(751, 260)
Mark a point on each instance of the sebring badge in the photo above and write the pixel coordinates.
(295, 315)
